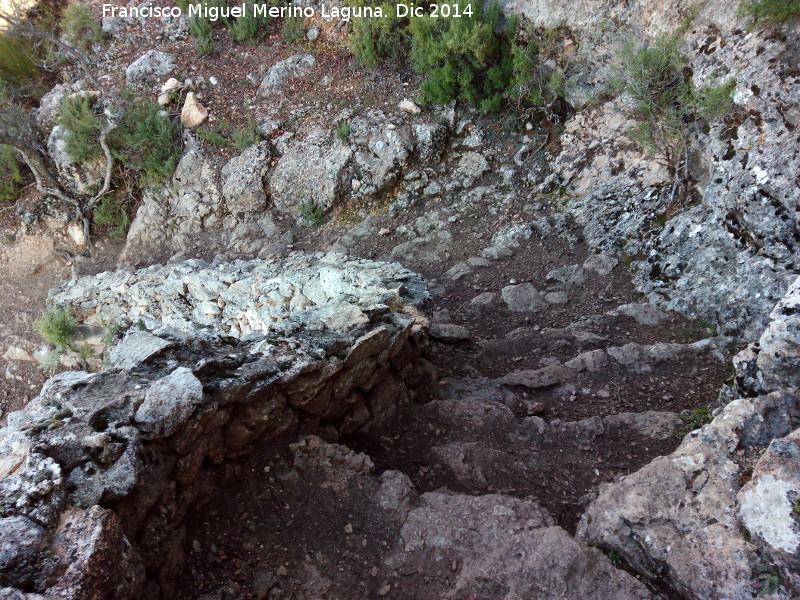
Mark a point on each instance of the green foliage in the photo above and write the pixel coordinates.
(213, 133)
(770, 12)
(19, 67)
(767, 577)
(376, 41)
(246, 136)
(110, 213)
(146, 140)
(533, 83)
(10, 174)
(343, 130)
(615, 558)
(662, 94)
(294, 29)
(312, 213)
(50, 361)
(82, 125)
(247, 28)
(202, 32)
(697, 418)
(467, 58)
(57, 326)
(715, 102)
(79, 27)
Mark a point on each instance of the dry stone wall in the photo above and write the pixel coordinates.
(99, 471)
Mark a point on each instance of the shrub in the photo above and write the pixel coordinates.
(247, 27)
(79, 27)
(82, 125)
(343, 130)
(294, 29)
(213, 133)
(110, 213)
(771, 12)
(57, 326)
(662, 94)
(312, 213)
(146, 140)
(10, 174)
(532, 82)
(375, 41)
(246, 136)
(202, 32)
(466, 58)
(19, 67)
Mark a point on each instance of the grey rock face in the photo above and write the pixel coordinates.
(310, 171)
(507, 544)
(331, 291)
(150, 68)
(284, 71)
(676, 519)
(243, 179)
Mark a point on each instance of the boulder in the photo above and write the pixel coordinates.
(284, 71)
(149, 68)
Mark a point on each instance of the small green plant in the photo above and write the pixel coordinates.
(82, 125)
(10, 174)
(50, 361)
(797, 506)
(110, 213)
(766, 577)
(467, 58)
(615, 558)
(57, 326)
(247, 28)
(697, 418)
(312, 213)
(716, 102)
(202, 32)
(770, 12)
(146, 140)
(79, 27)
(375, 41)
(294, 29)
(215, 133)
(706, 327)
(343, 130)
(246, 136)
(532, 82)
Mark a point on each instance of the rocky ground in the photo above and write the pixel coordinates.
(547, 434)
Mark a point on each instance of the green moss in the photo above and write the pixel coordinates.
(246, 136)
(342, 130)
(312, 213)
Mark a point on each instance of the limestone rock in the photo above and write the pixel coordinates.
(284, 71)
(243, 179)
(193, 114)
(409, 106)
(523, 298)
(149, 68)
(168, 403)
